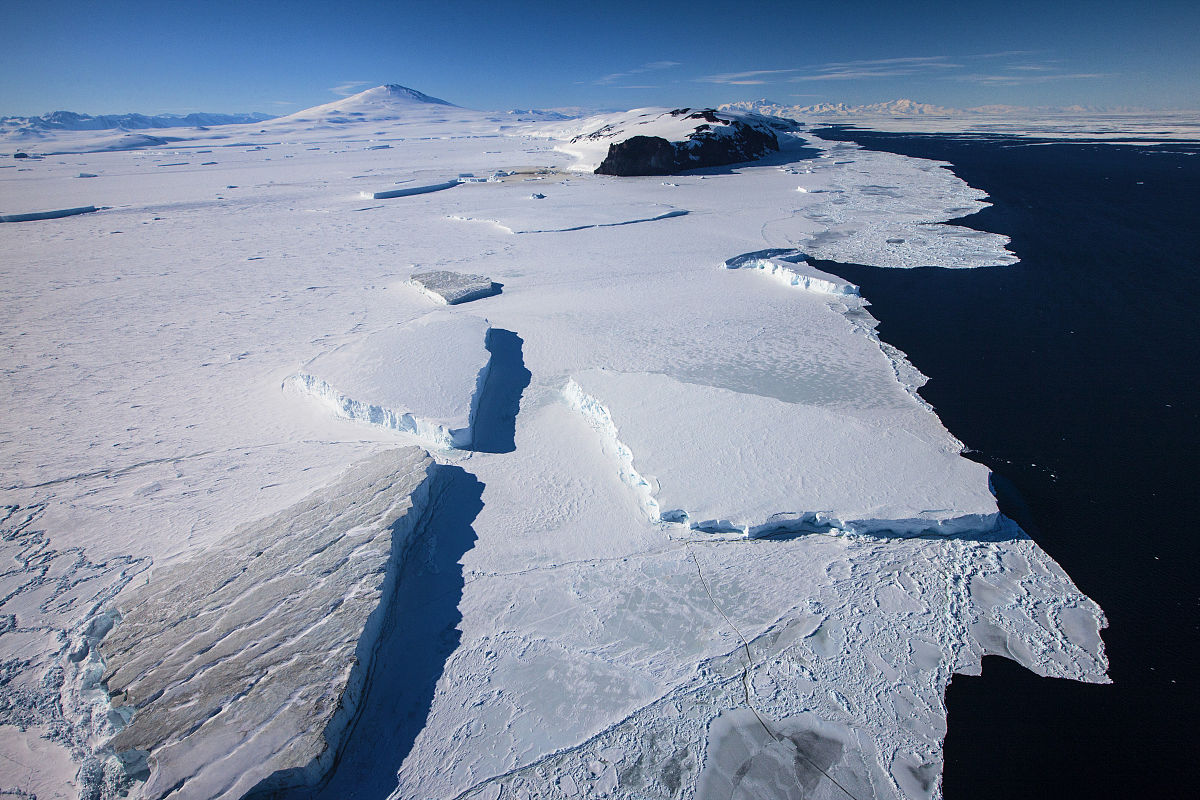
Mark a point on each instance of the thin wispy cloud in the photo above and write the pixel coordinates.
(750, 78)
(1023, 67)
(1004, 54)
(916, 61)
(877, 68)
(348, 88)
(1027, 79)
(618, 77)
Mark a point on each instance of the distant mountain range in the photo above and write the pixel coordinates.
(70, 121)
(910, 108)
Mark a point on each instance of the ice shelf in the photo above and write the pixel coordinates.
(422, 378)
(244, 666)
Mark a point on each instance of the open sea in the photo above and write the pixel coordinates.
(1075, 376)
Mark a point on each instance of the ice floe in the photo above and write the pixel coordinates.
(451, 288)
(790, 267)
(423, 378)
(809, 468)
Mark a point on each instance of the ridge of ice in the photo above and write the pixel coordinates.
(598, 416)
(409, 191)
(40, 215)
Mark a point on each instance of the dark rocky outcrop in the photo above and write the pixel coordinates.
(715, 141)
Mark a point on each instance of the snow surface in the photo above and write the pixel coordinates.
(574, 644)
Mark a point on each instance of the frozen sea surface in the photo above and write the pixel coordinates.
(591, 649)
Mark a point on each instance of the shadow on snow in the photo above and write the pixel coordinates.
(496, 415)
(420, 635)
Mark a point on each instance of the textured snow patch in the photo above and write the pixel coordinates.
(248, 662)
(789, 267)
(450, 288)
(769, 466)
(423, 378)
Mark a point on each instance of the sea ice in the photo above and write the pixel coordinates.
(422, 378)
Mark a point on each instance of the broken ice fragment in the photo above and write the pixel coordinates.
(772, 466)
(790, 267)
(57, 214)
(454, 287)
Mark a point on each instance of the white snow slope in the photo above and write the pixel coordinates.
(723, 535)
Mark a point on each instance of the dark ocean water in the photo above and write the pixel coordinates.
(1075, 377)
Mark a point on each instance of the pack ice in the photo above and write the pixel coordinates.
(723, 547)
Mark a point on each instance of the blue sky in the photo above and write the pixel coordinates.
(277, 57)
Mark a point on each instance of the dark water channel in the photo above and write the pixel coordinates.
(1074, 375)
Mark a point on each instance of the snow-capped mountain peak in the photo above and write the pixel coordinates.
(387, 102)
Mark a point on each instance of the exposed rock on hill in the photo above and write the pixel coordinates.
(654, 142)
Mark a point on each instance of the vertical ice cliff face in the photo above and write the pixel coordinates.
(246, 664)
